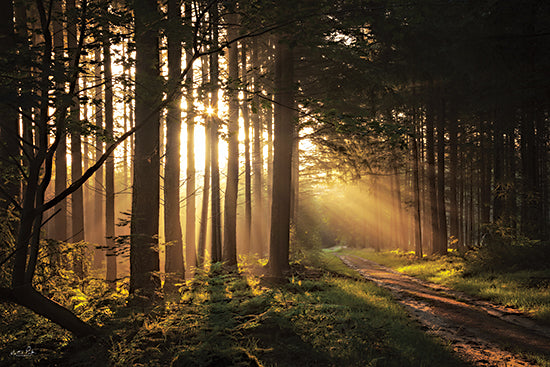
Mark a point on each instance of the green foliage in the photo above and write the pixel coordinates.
(504, 250)
(527, 290)
(320, 317)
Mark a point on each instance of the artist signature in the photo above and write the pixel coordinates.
(27, 352)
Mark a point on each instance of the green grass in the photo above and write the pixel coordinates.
(323, 316)
(527, 290)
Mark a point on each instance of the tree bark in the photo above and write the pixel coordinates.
(247, 168)
(174, 266)
(76, 159)
(111, 259)
(282, 160)
(441, 212)
(431, 180)
(60, 221)
(257, 245)
(201, 250)
(216, 244)
(144, 256)
(190, 236)
(99, 232)
(416, 197)
(230, 223)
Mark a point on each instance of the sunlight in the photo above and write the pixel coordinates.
(210, 111)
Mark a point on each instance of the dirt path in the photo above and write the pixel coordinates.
(480, 332)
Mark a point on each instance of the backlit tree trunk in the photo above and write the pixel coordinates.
(144, 255)
(174, 266)
(190, 237)
(111, 260)
(231, 191)
(76, 158)
(216, 244)
(282, 159)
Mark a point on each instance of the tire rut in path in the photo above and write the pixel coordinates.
(480, 332)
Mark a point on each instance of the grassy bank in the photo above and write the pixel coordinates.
(527, 290)
(318, 318)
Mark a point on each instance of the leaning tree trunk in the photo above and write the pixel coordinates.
(38, 178)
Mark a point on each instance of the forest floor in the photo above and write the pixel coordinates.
(480, 332)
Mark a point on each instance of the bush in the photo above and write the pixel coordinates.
(504, 250)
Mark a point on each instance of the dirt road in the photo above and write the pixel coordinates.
(480, 332)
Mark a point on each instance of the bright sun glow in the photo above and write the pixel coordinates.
(210, 110)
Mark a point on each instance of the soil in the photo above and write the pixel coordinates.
(480, 332)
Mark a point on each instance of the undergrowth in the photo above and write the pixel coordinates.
(524, 289)
(321, 316)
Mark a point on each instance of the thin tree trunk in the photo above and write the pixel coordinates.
(216, 245)
(432, 193)
(206, 183)
(247, 170)
(257, 162)
(416, 197)
(441, 212)
(60, 222)
(76, 159)
(190, 251)
(174, 266)
(453, 184)
(230, 223)
(99, 237)
(111, 271)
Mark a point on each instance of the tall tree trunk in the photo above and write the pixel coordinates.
(257, 161)
(190, 237)
(498, 172)
(247, 168)
(216, 244)
(9, 129)
(530, 200)
(76, 158)
(416, 198)
(282, 160)
(144, 255)
(174, 266)
(111, 272)
(99, 233)
(431, 180)
(441, 212)
(201, 250)
(485, 203)
(60, 222)
(453, 184)
(230, 223)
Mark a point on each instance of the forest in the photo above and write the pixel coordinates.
(228, 182)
